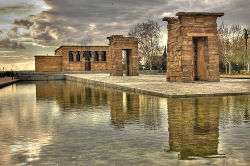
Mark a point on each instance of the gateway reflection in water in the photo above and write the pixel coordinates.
(194, 126)
(70, 123)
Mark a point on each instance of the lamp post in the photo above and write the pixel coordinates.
(246, 33)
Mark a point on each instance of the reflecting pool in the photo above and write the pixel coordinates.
(68, 123)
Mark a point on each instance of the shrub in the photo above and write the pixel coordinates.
(243, 72)
(234, 72)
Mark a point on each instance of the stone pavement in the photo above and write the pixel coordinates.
(156, 85)
(7, 81)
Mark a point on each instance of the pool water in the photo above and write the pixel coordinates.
(69, 123)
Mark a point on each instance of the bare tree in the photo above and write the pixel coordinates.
(148, 34)
(223, 44)
(231, 47)
(238, 46)
(247, 55)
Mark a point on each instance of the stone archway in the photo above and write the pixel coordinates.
(118, 43)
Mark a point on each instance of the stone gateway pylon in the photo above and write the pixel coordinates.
(192, 48)
(123, 55)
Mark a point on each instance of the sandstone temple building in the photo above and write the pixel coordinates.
(192, 52)
(192, 48)
(121, 52)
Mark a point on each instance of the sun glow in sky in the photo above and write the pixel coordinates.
(37, 27)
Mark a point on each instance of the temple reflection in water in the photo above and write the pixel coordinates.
(194, 126)
(70, 94)
(125, 108)
(193, 123)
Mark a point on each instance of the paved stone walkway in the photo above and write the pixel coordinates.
(7, 81)
(157, 85)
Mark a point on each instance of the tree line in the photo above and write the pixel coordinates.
(232, 49)
(231, 42)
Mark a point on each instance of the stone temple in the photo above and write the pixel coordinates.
(122, 53)
(192, 47)
(192, 52)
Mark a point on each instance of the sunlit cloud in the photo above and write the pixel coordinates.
(71, 29)
(167, 14)
(92, 26)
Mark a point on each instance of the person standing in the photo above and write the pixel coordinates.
(12, 74)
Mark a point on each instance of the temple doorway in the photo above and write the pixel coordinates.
(126, 54)
(200, 64)
(87, 56)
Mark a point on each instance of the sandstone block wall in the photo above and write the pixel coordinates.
(112, 62)
(80, 65)
(174, 56)
(117, 44)
(48, 63)
(192, 52)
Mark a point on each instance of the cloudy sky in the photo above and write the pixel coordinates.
(38, 27)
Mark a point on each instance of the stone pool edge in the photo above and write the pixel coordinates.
(9, 82)
(146, 92)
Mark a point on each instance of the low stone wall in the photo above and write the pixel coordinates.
(152, 72)
(5, 82)
(109, 85)
(236, 77)
(47, 76)
(40, 77)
